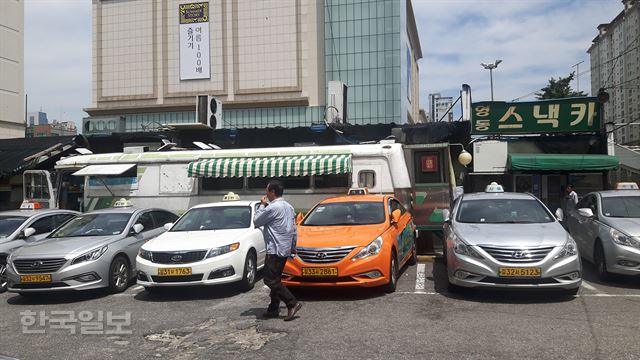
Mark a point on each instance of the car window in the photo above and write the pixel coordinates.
(44, 225)
(214, 218)
(61, 219)
(9, 224)
(97, 224)
(146, 220)
(503, 211)
(163, 217)
(621, 206)
(346, 213)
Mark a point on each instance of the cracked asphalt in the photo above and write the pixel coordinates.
(418, 321)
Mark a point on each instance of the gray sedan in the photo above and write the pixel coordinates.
(508, 240)
(94, 250)
(606, 226)
(20, 227)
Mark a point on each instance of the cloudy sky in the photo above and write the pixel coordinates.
(536, 39)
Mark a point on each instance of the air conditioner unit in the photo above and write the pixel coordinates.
(209, 111)
(490, 156)
(336, 102)
(103, 125)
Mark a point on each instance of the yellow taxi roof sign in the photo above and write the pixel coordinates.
(231, 196)
(122, 202)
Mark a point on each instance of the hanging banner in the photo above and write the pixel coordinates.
(568, 115)
(194, 41)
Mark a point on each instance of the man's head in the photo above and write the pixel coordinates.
(274, 190)
(569, 188)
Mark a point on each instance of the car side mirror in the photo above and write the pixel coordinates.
(137, 228)
(559, 214)
(395, 216)
(28, 232)
(586, 212)
(446, 216)
(168, 226)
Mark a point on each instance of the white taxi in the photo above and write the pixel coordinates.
(210, 244)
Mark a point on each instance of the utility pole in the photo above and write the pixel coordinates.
(577, 66)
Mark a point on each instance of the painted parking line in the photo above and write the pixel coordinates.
(588, 286)
(136, 288)
(420, 278)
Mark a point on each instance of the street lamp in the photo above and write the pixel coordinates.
(490, 67)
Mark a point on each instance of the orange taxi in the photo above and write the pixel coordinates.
(355, 240)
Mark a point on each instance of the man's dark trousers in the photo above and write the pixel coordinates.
(272, 278)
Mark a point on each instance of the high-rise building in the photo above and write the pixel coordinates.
(268, 61)
(37, 118)
(438, 106)
(615, 67)
(12, 69)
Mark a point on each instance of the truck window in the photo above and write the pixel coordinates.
(331, 181)
(367, 178)
(289, 182)
(219, 184)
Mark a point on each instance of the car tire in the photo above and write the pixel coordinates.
(601, 263)
(393, 274)
(119, 274)
(249, 272)
(3, 276)
(414, 255)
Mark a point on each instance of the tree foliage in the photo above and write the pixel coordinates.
(560, 88)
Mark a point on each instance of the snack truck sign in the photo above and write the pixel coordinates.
(194, 41)
(566, 115)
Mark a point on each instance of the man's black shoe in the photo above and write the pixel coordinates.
(292, 311)
(271, 314)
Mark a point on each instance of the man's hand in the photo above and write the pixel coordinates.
(264, 201)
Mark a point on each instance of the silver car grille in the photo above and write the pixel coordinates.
(323, 255)
(37, 266)
(517, 255)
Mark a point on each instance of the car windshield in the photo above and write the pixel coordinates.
(346, 213)
(214, 218)
(104, 224)
(9, 224)
(503, 211)
(621, 206)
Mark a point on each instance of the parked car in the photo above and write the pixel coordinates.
(210, 244)
(20, 227)
(355, 240)
(508, 240)
(606, 226)
(93, 250)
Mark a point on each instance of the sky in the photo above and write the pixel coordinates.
(535, 39)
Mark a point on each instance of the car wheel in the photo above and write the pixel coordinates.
(601, 263)
(249, 274)
(414, 255)
(3, 277)
(393, 274)
(119, 275)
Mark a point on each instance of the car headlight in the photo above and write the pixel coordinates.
(568, 249)
(623, 239)
(372, 249)
(462, 248)
(222, 250)
(90, 256)
(145, 254)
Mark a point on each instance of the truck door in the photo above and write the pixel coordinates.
(37, 187)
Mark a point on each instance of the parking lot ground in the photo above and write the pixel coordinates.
(420, 320)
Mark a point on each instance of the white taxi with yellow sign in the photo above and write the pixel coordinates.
(210, 244)
(508, 240)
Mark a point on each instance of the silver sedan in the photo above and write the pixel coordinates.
(606, 226)
(508, 240)
(94, 250)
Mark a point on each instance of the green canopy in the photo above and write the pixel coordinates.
(562, 162)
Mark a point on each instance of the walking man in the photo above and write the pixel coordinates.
(572, 197)
(280, 233)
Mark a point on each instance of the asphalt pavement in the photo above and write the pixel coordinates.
(421, 320)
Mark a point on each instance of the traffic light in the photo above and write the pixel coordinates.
(209, 111)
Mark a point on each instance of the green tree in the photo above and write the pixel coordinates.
(560, 88)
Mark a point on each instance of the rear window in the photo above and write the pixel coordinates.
(503, 211)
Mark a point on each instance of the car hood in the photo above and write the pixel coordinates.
(516, 235)
(630, 226)
(332, 236)
(64, 246)
(194, 240)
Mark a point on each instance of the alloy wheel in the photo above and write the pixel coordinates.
(3, 277)
(120, 274)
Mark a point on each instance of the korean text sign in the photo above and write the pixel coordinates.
(194, 41)
(547, 116)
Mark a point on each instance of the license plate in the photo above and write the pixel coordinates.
(320, 271)
(41, 278)
(520, 272)
(174, 271)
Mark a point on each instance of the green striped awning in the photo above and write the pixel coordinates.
(279, 166)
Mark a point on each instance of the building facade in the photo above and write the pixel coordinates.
(615, 67)
(12, 69)
(268, 61)
(37, 118)
(438, 107)
(65, 128)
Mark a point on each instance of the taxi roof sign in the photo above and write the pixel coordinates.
(626, 186)
(494, 187)
(231, 196)
(358, 191)
(28, 205)
(122, 203)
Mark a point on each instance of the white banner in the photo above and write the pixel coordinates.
(194, 41)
